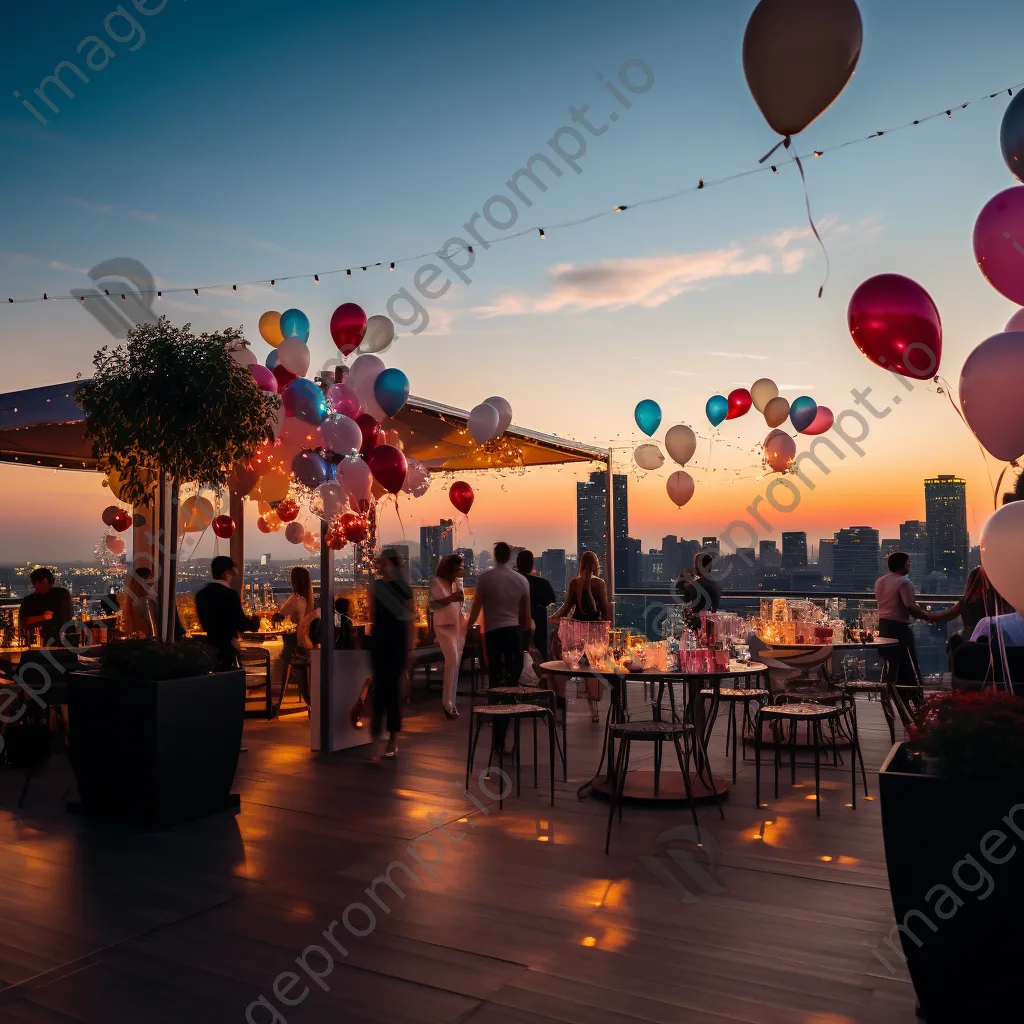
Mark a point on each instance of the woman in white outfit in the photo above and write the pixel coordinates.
(446, 597)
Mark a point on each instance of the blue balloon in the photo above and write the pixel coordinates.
(305, 401)
(311, 469)
(272, 360)
(295, 324)
(717, 409)
(802, 412)
(391, 389)
(648, 416)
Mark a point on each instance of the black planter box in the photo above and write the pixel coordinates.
(959, 911)
(154, 753)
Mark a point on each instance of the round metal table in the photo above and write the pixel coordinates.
(640, 782)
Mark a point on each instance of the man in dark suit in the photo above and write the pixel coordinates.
(221, 615)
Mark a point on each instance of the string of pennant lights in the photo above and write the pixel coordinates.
(542, 232)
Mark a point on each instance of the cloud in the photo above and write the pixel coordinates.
(651, 281)
(739, 355)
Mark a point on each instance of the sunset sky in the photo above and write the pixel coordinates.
(257, 140)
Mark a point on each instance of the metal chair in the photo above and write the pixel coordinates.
(545, 698)
(499, 716)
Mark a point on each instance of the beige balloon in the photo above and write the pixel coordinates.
(195, 514)
(779, 450)
(680, 487)
(680, 443)
(776, 412)
(649, 457)
(762, 392)
(1002, 552)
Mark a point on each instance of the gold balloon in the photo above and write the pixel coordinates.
(195, 514)
(273, 486)
(776, 412)
(115, 481)
(270, 328)
(762, 392)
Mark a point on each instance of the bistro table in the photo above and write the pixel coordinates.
(640, 783)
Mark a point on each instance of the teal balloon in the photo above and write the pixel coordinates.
(802, 412)
(391, 389)
(717, 409)
(295, 324)
(648, 416)
(272, 359)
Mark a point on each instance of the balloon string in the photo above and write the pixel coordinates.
(810, 220)
(999, 483)
(981, 448)
(786, 142)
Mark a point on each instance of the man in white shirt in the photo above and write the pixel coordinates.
(1010, 625)
(503, 597)
(897, 603)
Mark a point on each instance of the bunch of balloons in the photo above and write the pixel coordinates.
(119, 519)
(680, 443)
(490, 419)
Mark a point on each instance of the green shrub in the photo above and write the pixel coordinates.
(151, 659)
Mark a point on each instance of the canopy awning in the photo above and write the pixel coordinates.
(45, 427)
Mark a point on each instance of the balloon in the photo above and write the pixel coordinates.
(504, 412)
(341, 434)
(999, 243)
(109, 515)
(332, 495)
(355, 476)
(779, 450)
(798, 56)
(1011, 137)
(460, 494)
(762, 392)
(394, 438)
(273, 486)
(195, 514)
(680, 487)
(224, 527)
(295, 324)
(295, 533)
(895, 323)
(270, 328)
(391, 389)
(1002, 552)
(283, 375)
(717, 409)
(242, 478)
(388, 466)
(310, 469)
(364, 371)
(304, 400)
(484, 420)
(114, 544)
(354, 527)
(263, 526)
(1016, 322)
(115, 481)
(990, 394)
(680, 443)
(335, 540)
(244, 356)
(264, 378)
(417, 479)
(348, 325)
(287, 510)
(776, 412)
(739, 403)
(802, 411)
(649, 457)
(293, 354)
(298, 434)
(648, 416)
(343, 399)
(380, 332)
(822, 422)
(273, 360)
(370, 429)
(122, 520)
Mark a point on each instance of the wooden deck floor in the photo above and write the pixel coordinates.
(516, 916)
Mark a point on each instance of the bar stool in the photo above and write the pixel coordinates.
(733, 696)
(499, 716)
(544, 698)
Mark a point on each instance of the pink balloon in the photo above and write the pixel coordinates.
(779, 450)
(680, 487)
(1016, 322)
(999, 243)
(295, 532)
(355, 476)
(990, 394)
(821, 423)
(114, 545)
(264, 377)
(344, 399)
(341, 434)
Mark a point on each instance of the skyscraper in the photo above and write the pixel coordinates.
(945, 503)
(553, 569)
(592, 519)
(435, 543)
(711, 545)
(672, 553)
(768, 554)
(827, 558)
(468, 567)
(856, 558)
(794, 550)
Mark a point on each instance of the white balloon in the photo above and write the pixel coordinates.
(244, 356)
(483, 423)
(680, 487)
(1002, 552)
(649, 457)
(504, 412)
(333, 497)
(293, 355)
(365, 366)
(417, 479)
(355, 476)
(341, 434)
(1016, 322)
(779, 450)
(380, 332)
(680, 443)
(762, 392)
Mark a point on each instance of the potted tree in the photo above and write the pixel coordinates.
(952, 801)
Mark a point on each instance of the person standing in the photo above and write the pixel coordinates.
(220, 611)
(697, 589)
(446, 597)
(392, 644)
(503, 598)
(542, 596)
(897, 604)
(47, 610)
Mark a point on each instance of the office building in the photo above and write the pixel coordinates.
(266, 559)
(827, 558)
(652, 568)
(856, 559)
(794, 550)
(945, 503)
(468, 563)
(768, 555)
(552, 568)
(890, 545)
(435, 543)
(673, 554)
(711, 545)
(592, 518)
(629, 557)
(914, 541)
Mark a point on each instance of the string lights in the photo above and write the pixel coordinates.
(702, 184)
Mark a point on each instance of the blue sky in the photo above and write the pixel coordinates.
(248, 140)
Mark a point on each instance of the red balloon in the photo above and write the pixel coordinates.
(243, 477)
(461, 496)
(336, 540)
(895, 323)
(224, 527)
(389, 467)
(822, 422)
(354, 527)
(284, 377)
(263, 526)
(122, 520)
(110, 514)
(264, 378)
(287, 510)
(371, 433)
(739, 403)
(348, 325)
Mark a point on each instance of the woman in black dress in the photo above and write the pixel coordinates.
(392, 643)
